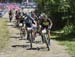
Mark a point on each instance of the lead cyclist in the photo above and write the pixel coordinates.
(46, 23)
(30, 22)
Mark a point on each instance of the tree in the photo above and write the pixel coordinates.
(59, 10)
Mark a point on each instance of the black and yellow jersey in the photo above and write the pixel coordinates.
(45, 23)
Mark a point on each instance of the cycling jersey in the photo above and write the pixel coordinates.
(45, 24)
(21, 20)
(29, 21)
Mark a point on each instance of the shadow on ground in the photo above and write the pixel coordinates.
(36, 42)
(27, 47)
(16, 37)
(38, 49)
(23, 46)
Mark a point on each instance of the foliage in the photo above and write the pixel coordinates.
(68, 29)
(60, 11)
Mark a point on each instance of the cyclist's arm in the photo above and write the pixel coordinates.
(51, 23)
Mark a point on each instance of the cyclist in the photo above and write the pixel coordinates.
(46, 23)
(22, 19)
(10, 15)
(22, 26)
(34, 15)
(18, 17)
(29, 21)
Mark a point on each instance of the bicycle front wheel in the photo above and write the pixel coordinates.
(47, 41)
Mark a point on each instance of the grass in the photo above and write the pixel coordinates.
(68, 41)
(71, 47)
(4, 34)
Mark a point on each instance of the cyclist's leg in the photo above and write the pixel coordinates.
(17, 23)
(23, 31)
(27, 35)
(49, 37)
(33, 34)
(34, 29)
(27, 32)
(42, 36)
(10, 18)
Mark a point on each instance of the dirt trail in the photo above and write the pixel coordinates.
(20, 48)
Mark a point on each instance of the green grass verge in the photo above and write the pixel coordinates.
(71, 47)
(67, 40)
(4, 34)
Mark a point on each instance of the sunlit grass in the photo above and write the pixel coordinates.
(70, 47)
(66, 40)
(4, 34)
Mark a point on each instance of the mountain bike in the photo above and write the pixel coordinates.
(45, 38)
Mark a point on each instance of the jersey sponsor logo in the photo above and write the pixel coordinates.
(46, 23)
